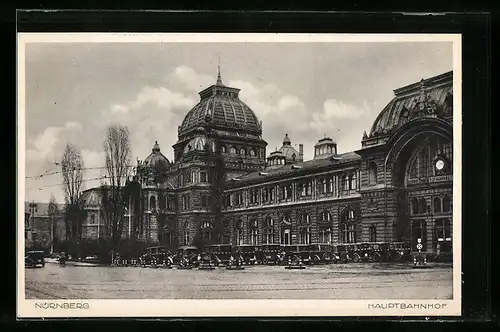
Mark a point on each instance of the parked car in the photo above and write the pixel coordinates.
(248, 253)
(322, 253)
(269, 253)
(219, 253)
(34, 258)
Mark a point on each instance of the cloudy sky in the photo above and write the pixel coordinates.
(308, 90)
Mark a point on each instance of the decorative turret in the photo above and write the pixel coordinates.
(276, 159)
(326, 147)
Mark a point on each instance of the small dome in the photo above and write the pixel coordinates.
(286, 140)
(325, 140)
(287, 150)
(156, 156)
(198, 143)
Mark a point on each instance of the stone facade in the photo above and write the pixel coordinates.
(396, 188)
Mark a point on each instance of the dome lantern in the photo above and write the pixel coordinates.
(156, 147)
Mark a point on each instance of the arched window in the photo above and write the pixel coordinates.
(347, 233)
(344, 183)
(373, 232)
(239, 232)
(304, 218)
(185, 234)
(422, 206)
(269, 230)
(305, 229)
(443, 235)
(243, 151)
(285, 234)
(446, 204)
(325, 234)
(204, 200)
(348, 215)
(254, 231)
(372, 173)
(206, 230)
(414, 206)
(232, 150)
(437, 204)
(352, 181)
(252, 152)
(305, 235)
(152, 203)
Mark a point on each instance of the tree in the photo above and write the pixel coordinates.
(52, 212)
(117, 151)
(72, 172)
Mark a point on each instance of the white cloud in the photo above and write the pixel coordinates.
(189, 80)
(48, 144)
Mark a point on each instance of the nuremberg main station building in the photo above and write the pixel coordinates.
(396, 188)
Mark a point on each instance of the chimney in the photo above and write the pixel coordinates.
(301, 152)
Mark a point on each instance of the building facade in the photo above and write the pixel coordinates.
(43, 225)
(221, 187)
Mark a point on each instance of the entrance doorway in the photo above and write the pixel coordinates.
(418, 235)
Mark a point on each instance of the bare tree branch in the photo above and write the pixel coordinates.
(117, 151)
(72, 172)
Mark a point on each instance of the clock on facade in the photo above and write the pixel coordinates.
(439, 164)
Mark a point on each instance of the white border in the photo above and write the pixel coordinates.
(231, 308)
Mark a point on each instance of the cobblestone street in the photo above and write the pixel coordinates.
(343, 281)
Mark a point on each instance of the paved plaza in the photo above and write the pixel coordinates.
(342, 281)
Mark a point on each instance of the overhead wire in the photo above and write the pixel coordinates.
(61, 184)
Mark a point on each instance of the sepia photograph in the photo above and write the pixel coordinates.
(242, 174)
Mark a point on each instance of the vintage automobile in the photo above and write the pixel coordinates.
(34, 258)
(444, 252)
(186, 255)
(270, 254)
(298, 252)
(399, 251)
(248, 252)
(322, 253)
(220, 253)
(340, 251)
(350, 252)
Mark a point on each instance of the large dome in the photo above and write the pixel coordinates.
(220, 105)
(431, 97)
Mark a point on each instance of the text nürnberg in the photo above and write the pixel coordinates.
(65, 305)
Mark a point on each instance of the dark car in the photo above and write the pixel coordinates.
(269, 253)
(345, 252)
(399, 251)
(34, 258)
(220, 253)
(298, 253)
(248, 253)
(186, 255)
(322, 253)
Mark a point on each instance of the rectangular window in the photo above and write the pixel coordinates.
(203, 177)
(373, 233)
(348, 233)
(204, 202)
(325, 235)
